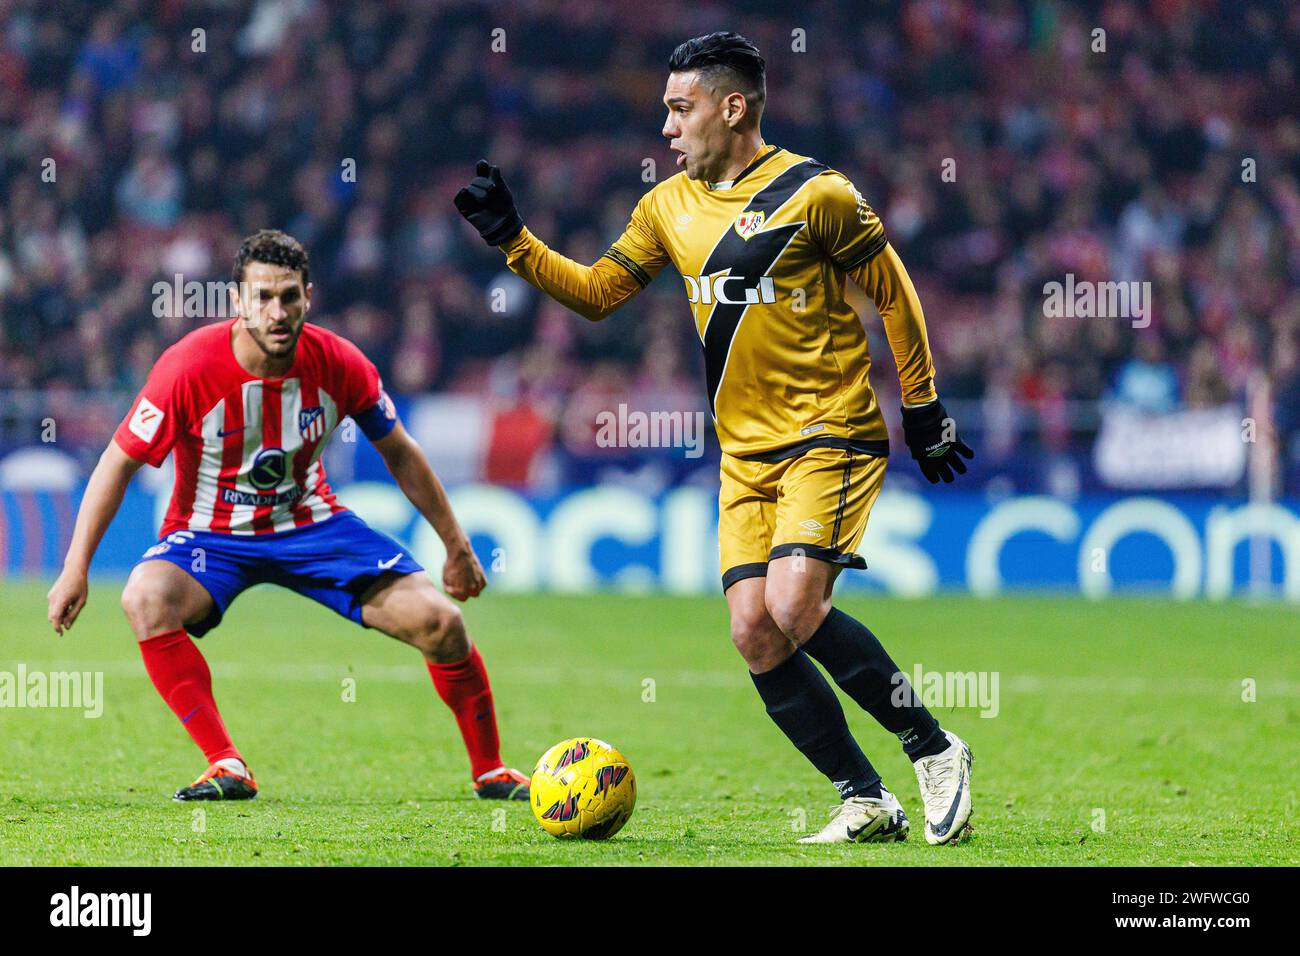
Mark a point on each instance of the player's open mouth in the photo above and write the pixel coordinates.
(681, 156)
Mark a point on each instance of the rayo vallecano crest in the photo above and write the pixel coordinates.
(748, 223)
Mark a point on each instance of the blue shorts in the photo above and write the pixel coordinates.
(332, 562)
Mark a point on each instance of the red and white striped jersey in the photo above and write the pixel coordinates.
(247, 449)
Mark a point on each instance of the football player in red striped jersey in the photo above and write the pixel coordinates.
(245, 407)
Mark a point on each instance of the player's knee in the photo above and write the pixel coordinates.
(149, 610)
(442, 635)
(797, 614)
(757, 638)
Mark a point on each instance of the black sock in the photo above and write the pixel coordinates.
(803, 705)
(854, 658)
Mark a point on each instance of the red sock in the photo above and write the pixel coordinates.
(463, 686)
(181, 676)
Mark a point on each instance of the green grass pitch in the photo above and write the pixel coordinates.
(1122, 736)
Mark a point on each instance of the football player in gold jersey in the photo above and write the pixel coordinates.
(765, 241)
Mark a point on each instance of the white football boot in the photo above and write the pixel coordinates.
(945, 791)
(864, 820)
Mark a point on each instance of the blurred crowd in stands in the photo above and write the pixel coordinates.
(1005, 144)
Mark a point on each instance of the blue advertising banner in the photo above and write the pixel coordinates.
(608, 537)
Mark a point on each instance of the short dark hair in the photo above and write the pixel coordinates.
(728, 54)
(275, 248)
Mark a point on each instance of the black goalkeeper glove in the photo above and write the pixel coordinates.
(932, 438)
(487, 204)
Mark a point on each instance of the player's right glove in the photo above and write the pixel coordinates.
(931, 435)
(487, 204)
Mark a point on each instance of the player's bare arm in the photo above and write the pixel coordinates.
(103, 497)
(462, 575)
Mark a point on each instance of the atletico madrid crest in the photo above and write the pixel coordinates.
(748, 223)
(311, 423)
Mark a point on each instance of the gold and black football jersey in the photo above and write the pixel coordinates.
(764, 258)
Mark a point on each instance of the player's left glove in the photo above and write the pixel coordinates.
(931, 435)
(487, 204)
